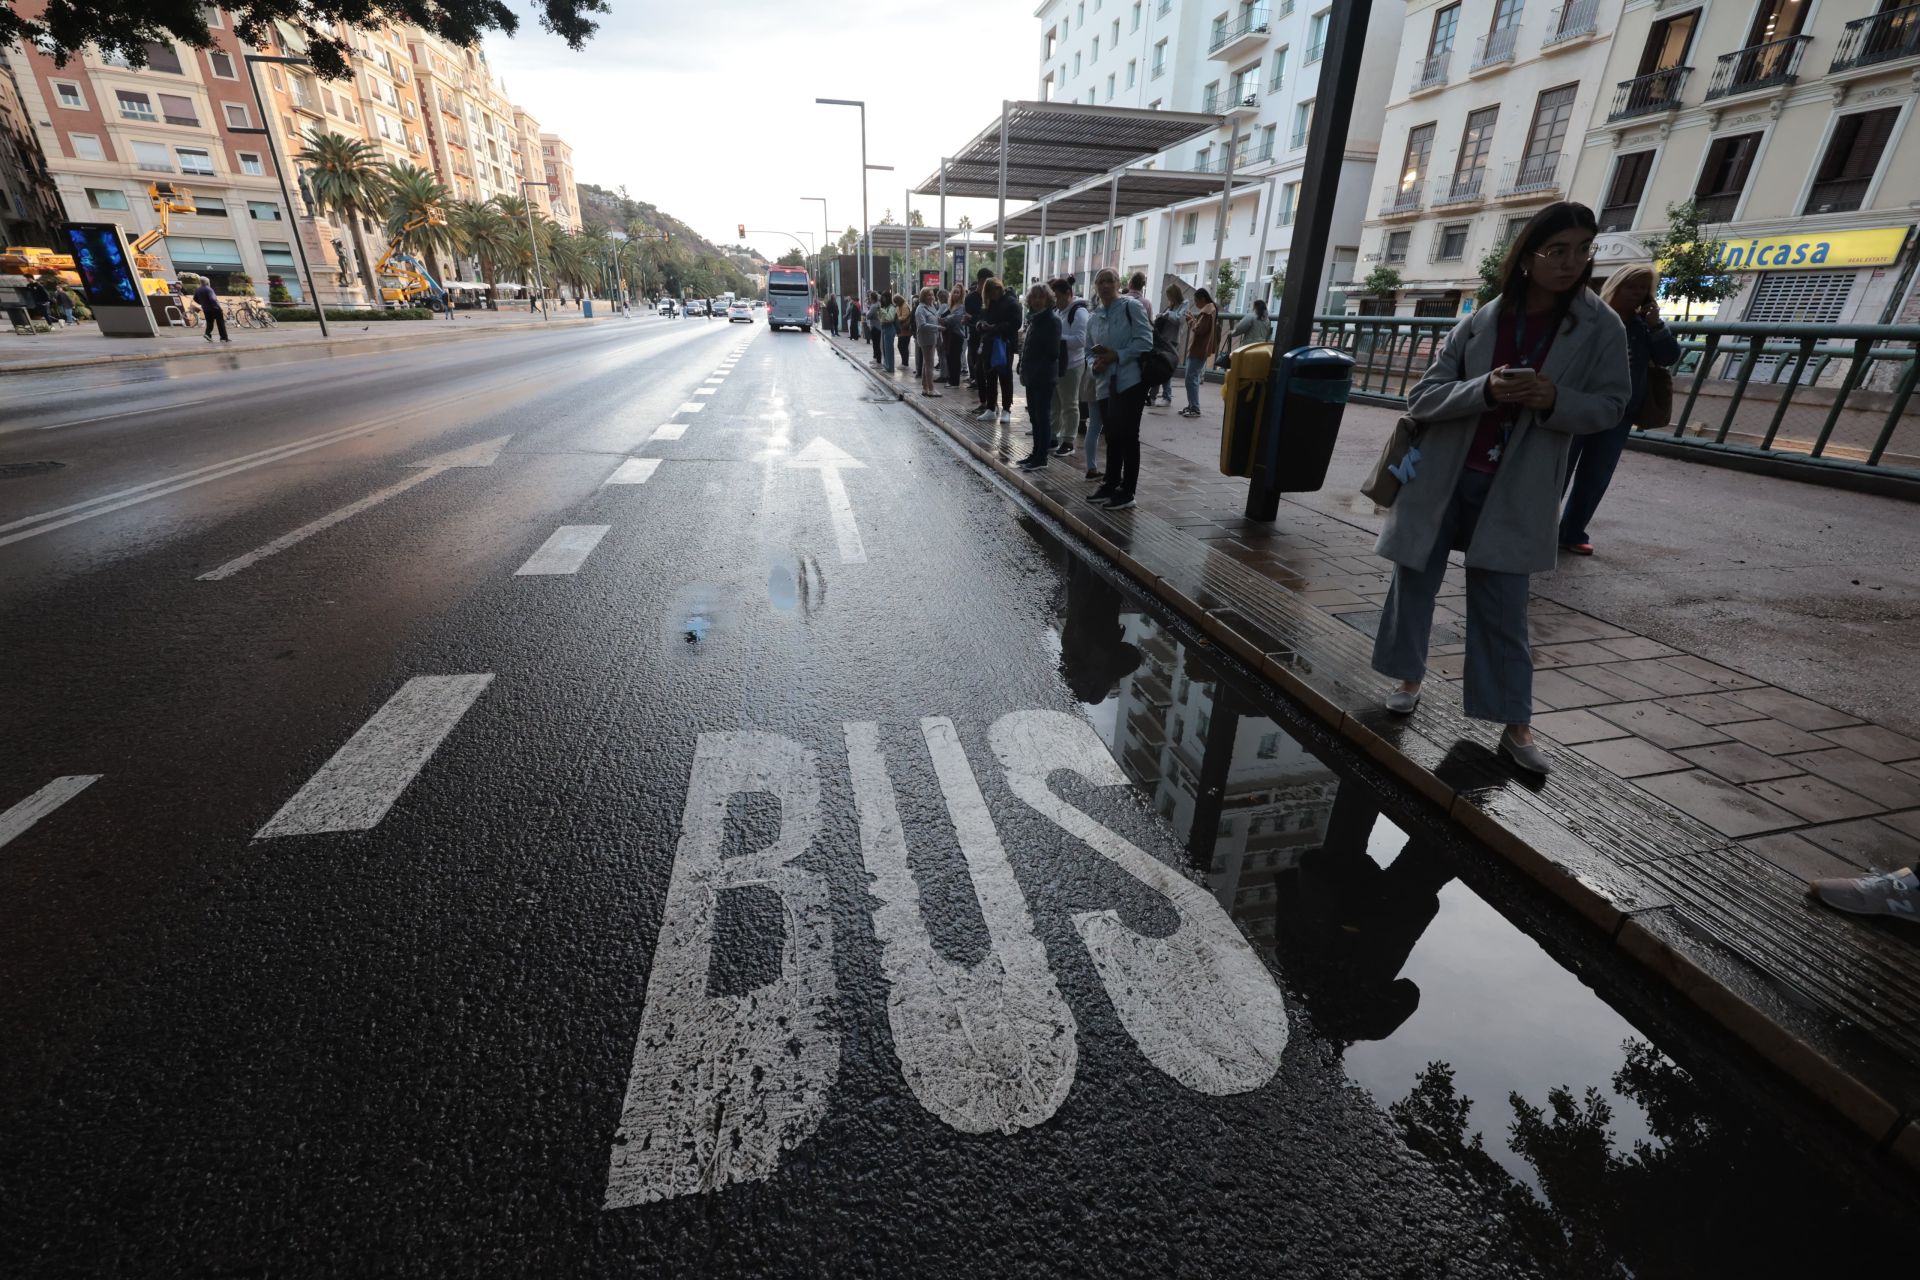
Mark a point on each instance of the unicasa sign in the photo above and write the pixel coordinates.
(1871, 247)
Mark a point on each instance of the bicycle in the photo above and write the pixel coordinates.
(253, 314)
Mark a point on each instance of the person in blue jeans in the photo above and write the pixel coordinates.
(889, 330)
(1200, 337)
(1590, 465)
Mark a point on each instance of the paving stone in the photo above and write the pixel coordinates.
(1738, 762)
(1636, 647)
(1331, 595)
(1774, 737)
(1907, 822)
(1631, 757)
(1875, 742)
(1909, 766)
(1886, 786)
(1579, 653)
(1608, 681)
(1711, 708)
(1724, 677)
(1657, 675)
(1867, 842)
(1814, 799)
(1660, 727)
(1570, 627)
(1448, 665)
(1721, 805)
(1569, 728)
(1801, 713)
(1563, 691)
(1800, 857)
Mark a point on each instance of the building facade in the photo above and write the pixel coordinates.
(1256, 64)
(557, 160)
(29, 204)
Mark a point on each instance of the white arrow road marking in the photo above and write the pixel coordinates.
(829, 459)
(691, 406)
(723, 1085)
(43, 802)
(483, 454)
(633, 471)
(354, 789)
(668, 431)
(991, 1047)
(1198, 1002)
(564, 551)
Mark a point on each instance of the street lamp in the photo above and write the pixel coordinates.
(826, 236)
(533, 241)
(860, 269)
(280, 173)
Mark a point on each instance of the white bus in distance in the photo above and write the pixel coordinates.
(790, 299)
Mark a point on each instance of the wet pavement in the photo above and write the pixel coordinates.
(503, 857)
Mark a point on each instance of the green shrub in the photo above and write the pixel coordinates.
(240, 284)
(346, 315)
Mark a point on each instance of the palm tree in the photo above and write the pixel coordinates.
(416, 213)
(570, 259)
(349, 185)
(483, 231)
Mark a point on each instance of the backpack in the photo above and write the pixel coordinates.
(1157, 365)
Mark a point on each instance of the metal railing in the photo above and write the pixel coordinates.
(1496, 46)
(1210, 102)
(1401, 198)
(1315, 52)
(1461, 187)
(1649, 94)
(1880, 37)
(1532, 175)
(1245, 102)
(1837, 395)
(1571, 21)
(1432, 71)
(1717, 208)
(1251, 23)
(1837, 195)
(1618, 217)
(1764, 66)
(1159, 69)
(1299, 139)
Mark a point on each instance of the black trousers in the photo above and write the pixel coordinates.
(954, 344)
(906, 346)
(1040, 410)
(1120, 427)
(215, 316)
(992, 379)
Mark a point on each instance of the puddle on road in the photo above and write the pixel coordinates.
(1515, 1079)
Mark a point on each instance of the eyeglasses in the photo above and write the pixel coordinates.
(1558, 253)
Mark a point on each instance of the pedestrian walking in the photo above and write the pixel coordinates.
(1066, 397)
(1171, 328)
(999, 322)
(1591, 461)
(903, 327)
(975, 302)
(1199, 345)
(1042, 357)
(833, 315)
(889, 330)
(877, 311)
(60, 300)
(1252, 327)
(1514, 383)
(1118, 334)
(209, 303)
(853, 318)
(1137, 290)
(953, 328)
(926, 332)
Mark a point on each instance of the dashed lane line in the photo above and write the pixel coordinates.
(564, 551)
(668, 431)
(633, 471)
(43, 802)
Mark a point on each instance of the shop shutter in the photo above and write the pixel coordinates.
(1794, 297)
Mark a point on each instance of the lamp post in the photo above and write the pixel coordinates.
(860, 269)
(826, 237)
(533, 242)
(280, 173)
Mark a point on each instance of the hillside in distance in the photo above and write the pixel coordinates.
(616, 212)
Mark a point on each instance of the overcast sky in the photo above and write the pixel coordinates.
(705, 107)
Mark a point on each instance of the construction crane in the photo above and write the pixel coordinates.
(403, 278)
(167, 199)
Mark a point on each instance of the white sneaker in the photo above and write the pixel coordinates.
(985, 415)
(1006, 417)
(1896, 893)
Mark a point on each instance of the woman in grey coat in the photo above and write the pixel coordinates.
(1514, 383)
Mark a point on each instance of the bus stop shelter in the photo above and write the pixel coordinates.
(892, 237)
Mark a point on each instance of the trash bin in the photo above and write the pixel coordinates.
(1318, 382)
(1245, 394)
(586, 309)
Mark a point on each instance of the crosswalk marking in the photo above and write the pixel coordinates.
(691, 406)
(668, 431)
(633, 471)
(354, 789)
(43, 802)
(564, 551)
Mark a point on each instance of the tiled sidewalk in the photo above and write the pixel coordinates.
(1689, 804)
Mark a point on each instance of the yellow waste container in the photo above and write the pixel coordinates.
(1245, 392)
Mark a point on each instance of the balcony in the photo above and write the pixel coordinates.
(1882, 37)
(1649, 95)
(1431, 72)
(1315, 52)
(1840, 195)
(1495, 48)
(1159, 69)
(1717, 208)
(1246, 105)
(1765, 66)
(1401, 199)
(1619, 217)
(1574, 21)
(1241, 36)
(1533, 178)
(187, 121)
(1298, 140)
(1467, 186)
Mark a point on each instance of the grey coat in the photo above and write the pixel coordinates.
(1517, 528)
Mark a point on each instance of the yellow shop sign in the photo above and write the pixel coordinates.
(1873, 247)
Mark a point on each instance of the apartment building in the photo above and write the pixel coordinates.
(529, 165)
(1258, 65)
(1487, 112)
(1790, 122)
(29, 206)
(557, 158)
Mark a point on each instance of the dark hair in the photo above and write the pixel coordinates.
(1138, 280)
(1060, 284)
(1561, 215)
(1203, 297)
(984, 273)
(1260, 307)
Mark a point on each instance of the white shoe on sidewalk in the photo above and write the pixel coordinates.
(1006, 417)
(1895, 894)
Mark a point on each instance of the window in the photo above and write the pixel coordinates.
(86, 146)
(250, 165)
(1098, 245)
(1140, 224)
(1302, 121)
(1189, 228)
(1268, 137)
(1096, 49)
(1269, 750)
(1506, 13)
(237, 117)
(1218, 35)
(1210, 96)
(278, 259)
(1133, 68)
(1547, 135)
(1203, 159)
(69, 95)
(209, 207)
(1397, 246)
(101, 198)
(1159, 59)
(175, 109)
(1080, 246)
(1724, 176)
(1046, 88)
(1446, 24)
(135, 106)
(1476, 142)
(212, 15)
(1316, 38)
(1278, 75)
(194, 160)
(152, 157)
(1668, 42)
(1451, 244)
(1110, 80)
(1413, 169)
(1052, 42)
(164, 57)
(1852, 158)
(1629, 183)
(1076, 64)
(1289, 204)
(1515, 225)
(1080, 13)
(1136, 16)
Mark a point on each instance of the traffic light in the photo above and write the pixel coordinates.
(743, 231)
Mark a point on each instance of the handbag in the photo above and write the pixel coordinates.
(1395, 466)
(1656, 410)
(1223, 359)
(999, 357)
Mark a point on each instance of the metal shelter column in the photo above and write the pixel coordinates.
(1226, 202)
(1043, 237)
(1113, 211)
(942, 264)
(1264, 212)
(1000, 222)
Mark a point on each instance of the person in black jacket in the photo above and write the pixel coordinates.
(999, 324)
(1042, 358)
(976, 369)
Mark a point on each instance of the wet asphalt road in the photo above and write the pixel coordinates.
(637, 973)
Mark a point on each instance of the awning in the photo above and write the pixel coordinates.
(887, 236)
(465, 284)
(1131, 192)
(1051, 146)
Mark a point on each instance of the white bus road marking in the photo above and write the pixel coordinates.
(483, 454)
(668, 431)
(564, 551)
(722, 1085)
(43, 802)
(988, 1048)
(691, 406)
(633, 471)
(354, 789)
(828, 459)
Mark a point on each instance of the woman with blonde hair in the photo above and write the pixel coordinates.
(926, 335)
(1632, 295)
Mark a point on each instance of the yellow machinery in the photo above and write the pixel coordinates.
(403, 278)
(28, 260)
(167, 200)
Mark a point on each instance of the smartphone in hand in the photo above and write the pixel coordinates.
(1516, 373)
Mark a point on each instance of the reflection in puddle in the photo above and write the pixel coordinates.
(1586, 1144)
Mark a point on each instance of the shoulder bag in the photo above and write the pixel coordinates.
(1395, 466)
(1656, 410)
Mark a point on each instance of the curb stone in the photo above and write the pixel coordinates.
(1843, 1094)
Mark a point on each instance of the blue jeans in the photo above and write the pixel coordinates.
(1590, 465)
(1040, 409)
(1194, 366)
(887, 333)
(1499, 667)
(1093, 427)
